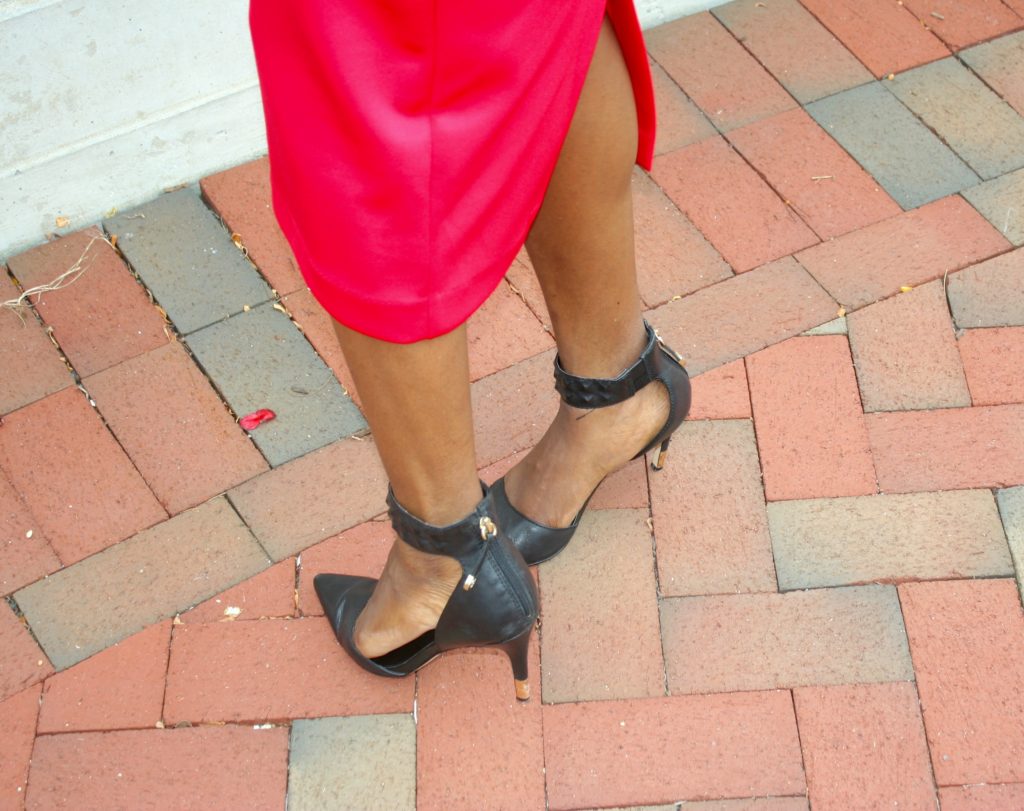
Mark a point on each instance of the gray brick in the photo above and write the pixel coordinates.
(186, 258)
(884, 137)
(1011, 508)
(980, 127)
(1001, 202)
(736, 642)
(989, 294)
(259, 359)
(914, 536)
(1000, 62)
(819, 67)
(156, 573)
(364, 761)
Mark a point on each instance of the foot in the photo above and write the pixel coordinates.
(407, 601)
(579, 449)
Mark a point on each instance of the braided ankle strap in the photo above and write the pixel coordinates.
(590, 392)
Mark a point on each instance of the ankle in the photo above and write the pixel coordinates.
(584, 355)
(439, 503)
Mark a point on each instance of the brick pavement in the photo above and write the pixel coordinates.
(816, 605)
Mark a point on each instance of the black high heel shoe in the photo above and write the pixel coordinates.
(494, 605)
(539, 542)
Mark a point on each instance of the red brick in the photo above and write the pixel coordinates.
(721, 394)
(661, 750)
(105, 316)
(362, 550)
(271, 670)
(469, 722)
(18, 728)
(672, 256)
(962, 24)
(318, 328)
(513, 408)
(241, 195)
(22, 663)
(909, 249)
(153, 770)
(864, 747)
(714, 70)
(25, 555)
(885, 36)
(709, 514)
(743, 314)
(1006, 797)
(30, 366)
(173, 425)
(763, 641)
(803, 55)
(790, 150)
(992, 361)
(967, 640)
(905, 353)
(523, 282)
(311, 498)
(271, 593)
(948, 449)
(752, 804)
(121, 687)
(503, 332)
(608, 565)
(810, 428)
(731, 204)
(679, 121)
(86, 494)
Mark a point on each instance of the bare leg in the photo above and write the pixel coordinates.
(416, 400)
(581, 246)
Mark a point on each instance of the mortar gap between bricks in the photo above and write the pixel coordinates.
(787, 204)
(276, 301)
(176, 336)
(25, 624)
(657, 576)
(295, 581)
(930, 128)
(167, 669)
(259, 543)
(760, 470)
(800, 743)
(917, 693)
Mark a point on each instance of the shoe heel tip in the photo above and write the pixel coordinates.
(522, 690)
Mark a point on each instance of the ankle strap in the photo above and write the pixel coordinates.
(458, 540)
(588, 392)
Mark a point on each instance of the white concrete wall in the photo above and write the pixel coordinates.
(104, 103)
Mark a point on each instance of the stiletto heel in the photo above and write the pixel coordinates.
(660, 463)
(538, 542)
(518, 652)
(494, 605)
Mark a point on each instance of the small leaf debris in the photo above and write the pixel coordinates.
(250, 421)
(906, 288)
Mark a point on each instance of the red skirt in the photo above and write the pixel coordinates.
(411, 142)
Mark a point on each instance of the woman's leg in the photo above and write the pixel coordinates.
(581, 246)
(416, 400)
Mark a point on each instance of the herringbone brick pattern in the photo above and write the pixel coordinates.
(814, 606)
